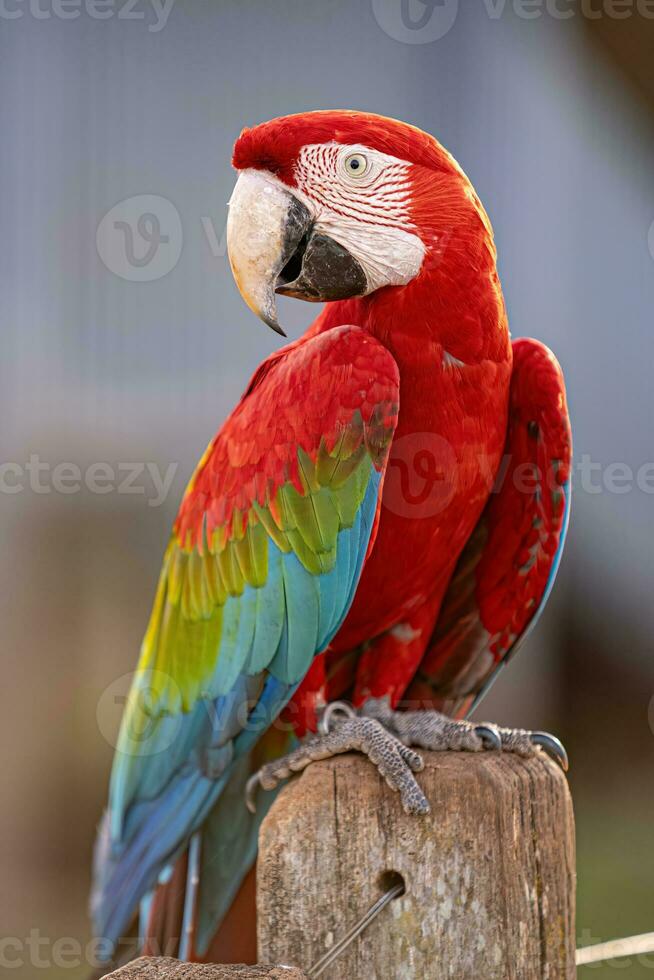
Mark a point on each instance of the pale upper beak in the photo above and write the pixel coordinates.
(273, 248)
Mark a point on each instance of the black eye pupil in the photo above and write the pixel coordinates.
(354, 164)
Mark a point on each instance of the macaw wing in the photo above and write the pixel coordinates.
(506, 571)
(260, 571)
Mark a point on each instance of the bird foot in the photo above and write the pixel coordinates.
(341, 730)
(386, 736)
(436, 732)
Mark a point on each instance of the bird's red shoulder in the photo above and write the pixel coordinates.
(312, 393)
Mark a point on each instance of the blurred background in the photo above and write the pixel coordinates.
(123, 351)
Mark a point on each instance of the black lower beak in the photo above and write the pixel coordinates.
(320, 270)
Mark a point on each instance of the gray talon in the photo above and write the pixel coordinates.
(553, 747)
(438, 733)
(334, 711)
(251, 788)
(490, 737)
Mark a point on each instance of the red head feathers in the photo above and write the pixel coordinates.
(275, 145)
(409, 219)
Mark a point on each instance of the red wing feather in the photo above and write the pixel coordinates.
(505, 572)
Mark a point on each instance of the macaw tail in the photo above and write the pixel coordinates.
(125, 872)
(185, 913)
(184, 904)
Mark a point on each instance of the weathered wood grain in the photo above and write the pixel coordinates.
(489, 874)
(165, 968)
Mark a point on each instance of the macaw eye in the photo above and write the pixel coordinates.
(356, 165)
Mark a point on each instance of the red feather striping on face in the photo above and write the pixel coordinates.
(385, 200)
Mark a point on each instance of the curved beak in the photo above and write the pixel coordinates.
(274, 248)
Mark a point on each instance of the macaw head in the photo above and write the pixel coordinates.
(332, 205)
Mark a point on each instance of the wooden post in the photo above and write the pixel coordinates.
(165, 968)
(489, 874)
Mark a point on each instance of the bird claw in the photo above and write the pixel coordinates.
(394, 760)
(438, 733)
(331, 713)
(385, 736)
(523, 743)
(490, 737)
(553, 747)
(251, 788)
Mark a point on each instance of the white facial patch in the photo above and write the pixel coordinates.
(389, 256)
(360, 198)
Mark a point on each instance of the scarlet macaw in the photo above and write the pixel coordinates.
(290, 579)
